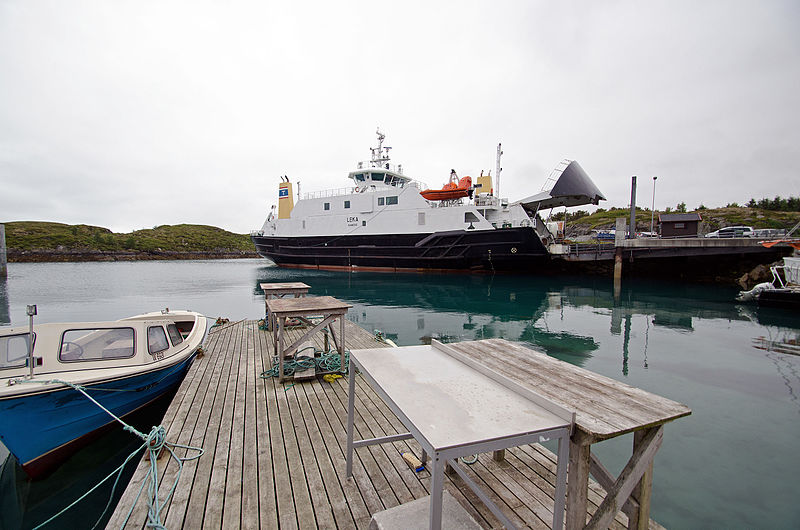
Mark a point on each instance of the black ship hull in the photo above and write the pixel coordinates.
(506, 249)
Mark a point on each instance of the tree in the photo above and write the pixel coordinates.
(681, 208)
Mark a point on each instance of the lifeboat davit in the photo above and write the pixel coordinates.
(451, 190)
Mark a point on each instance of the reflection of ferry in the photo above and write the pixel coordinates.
(388, 221)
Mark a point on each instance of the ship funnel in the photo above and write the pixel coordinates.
(285, 200)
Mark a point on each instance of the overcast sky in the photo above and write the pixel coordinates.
(132, 114)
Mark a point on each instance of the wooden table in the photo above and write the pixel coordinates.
(281, 290)
(327, 307)
(455, 407)
(605, 408)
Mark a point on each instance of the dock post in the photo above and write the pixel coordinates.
(619, 236)
(3, 253)
(632, 233)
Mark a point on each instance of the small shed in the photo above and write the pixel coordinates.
(679, 224)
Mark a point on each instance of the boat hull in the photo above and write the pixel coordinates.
(518, 249)
(783, 298)
(41, 429)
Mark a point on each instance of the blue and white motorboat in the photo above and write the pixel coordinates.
(124, 365)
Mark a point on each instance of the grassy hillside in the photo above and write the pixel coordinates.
(713, 218)
(35, 235)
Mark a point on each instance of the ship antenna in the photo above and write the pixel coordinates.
(498, 169)
(378, 156)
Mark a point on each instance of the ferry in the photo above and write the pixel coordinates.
(387, 221)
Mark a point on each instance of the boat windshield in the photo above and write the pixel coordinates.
(13, 350)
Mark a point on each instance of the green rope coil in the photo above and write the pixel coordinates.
(325, 362)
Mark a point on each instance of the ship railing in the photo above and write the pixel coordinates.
(368, 164)
(329, 193)
(486, 200)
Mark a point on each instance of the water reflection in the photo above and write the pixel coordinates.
(556, 315)
(782, 347)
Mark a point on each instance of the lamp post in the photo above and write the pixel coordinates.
(653, 206)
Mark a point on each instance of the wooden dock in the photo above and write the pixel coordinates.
(275, 453)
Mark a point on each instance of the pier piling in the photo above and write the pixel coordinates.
(3, 253)
(619, 238)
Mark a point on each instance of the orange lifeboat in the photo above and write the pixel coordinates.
(452, 190)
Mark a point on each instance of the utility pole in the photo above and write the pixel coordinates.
(653, 206)
(632, 228)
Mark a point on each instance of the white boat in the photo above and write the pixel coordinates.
(384, 221)
(781, 291)
(122, 364)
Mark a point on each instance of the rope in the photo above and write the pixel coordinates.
(325, 362)
(155, 441)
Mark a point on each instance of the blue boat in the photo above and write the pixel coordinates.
(123, 365)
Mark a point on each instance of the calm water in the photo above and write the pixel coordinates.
(732, 464)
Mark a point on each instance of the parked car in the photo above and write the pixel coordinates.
(733, 231)
(769, 232)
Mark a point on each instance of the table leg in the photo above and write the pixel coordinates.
(351, 399)
(578, 482)
(559, 500)
(279, 347)
(643, 491)
(341, 344)
(437, 485)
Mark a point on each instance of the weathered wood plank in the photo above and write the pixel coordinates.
(604, 407)
(195, 508)
(320, 505)
(267, 502)
(196, 426)
(225, 454)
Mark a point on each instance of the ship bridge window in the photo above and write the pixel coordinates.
(13, 350)
(378, 177)
(94, 344)
(359, 177)
(392, 199)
